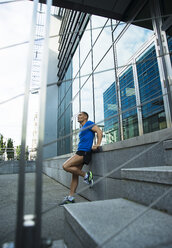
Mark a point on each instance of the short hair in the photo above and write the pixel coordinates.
(85, 113)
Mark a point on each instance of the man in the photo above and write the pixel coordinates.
(83, 155)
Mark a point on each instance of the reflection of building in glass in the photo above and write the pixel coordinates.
(128, 101)
(128, 104)
(75, 139)
(110, 114)
(141, 80)
(150, 92)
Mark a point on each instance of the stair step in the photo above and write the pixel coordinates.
(58, 244)
(91, 224)
(159, 174)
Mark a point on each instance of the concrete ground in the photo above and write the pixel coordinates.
(53, 215)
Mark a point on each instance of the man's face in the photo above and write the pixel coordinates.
(81, 117)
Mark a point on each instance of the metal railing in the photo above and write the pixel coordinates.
(30, 227)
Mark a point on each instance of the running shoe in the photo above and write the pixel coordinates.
(89, 179)
(66, 201)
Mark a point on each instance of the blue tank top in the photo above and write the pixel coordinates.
(86, 136)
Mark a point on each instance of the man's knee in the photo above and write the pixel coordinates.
(65, 167)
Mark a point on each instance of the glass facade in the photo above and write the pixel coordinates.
(150, 92)
(128, 104)
(170, 47)
(64, 114)
(111, 114)
(101, 81)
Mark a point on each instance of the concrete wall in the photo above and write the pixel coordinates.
(12, 167)
(52, 92)
(153, 149)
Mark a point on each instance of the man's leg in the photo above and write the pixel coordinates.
(74, 165)
(74, 182)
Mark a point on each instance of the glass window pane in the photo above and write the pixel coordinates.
(103, 101)
(87, 99)
(85, 44)
(103, 44)
(75, 124)
(130, 42)
(128, 104)
(150, 91)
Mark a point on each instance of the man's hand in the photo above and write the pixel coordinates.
(95, 147)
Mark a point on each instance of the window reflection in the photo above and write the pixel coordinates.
(128, 104)
(110, 99)
(150, 91)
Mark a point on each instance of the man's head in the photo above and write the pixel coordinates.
(82, 117)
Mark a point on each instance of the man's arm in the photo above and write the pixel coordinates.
(97, 130)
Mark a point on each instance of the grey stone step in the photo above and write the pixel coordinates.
(91, 224)
(59, 244)
(159, 174)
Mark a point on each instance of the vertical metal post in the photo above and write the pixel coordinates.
(79, 76)
(120, 126)
(22, 162)
(92, 60)
(163, 60)
(138, 101)
(42, 105)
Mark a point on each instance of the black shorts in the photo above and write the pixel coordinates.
(87, 156)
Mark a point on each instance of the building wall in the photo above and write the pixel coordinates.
(64, 114)
(52, 91)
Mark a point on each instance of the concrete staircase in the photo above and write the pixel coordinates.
(106, 222)
(145, 185)
(125, 223)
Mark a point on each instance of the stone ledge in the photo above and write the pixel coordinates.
(140, 140)
(145, 139)
(167, 144)
(159, 174)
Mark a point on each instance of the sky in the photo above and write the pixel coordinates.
(15, 25)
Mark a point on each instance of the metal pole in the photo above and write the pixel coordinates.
(79, 76)
(22, 162)
(42, 105)
(118, 97)
(161, 49)
(138, 101)
(94, 118)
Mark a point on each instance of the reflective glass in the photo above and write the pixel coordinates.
(75, 124)
(170, 46)
(130, 42)
(87, 99)
(128, 104)
(150, 91)
(102, 51)
(102, 82)
(85, 44)
(110, 114)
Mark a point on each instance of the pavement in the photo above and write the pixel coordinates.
(52, 214)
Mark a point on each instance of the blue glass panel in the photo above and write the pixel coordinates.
(150, 91)
(128, 104)
(111, 114)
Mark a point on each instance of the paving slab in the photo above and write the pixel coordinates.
(53, 217)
